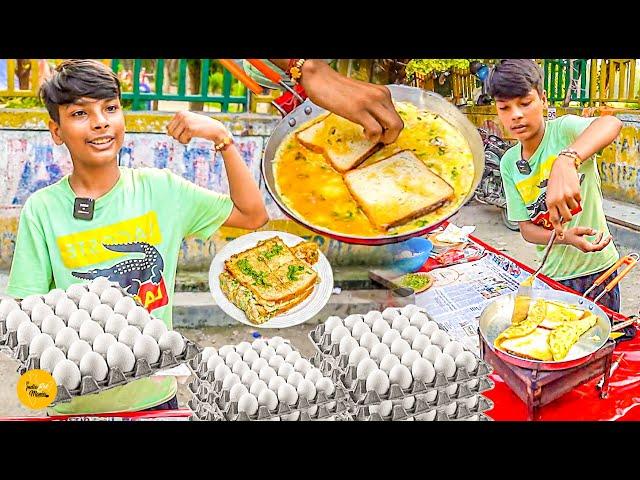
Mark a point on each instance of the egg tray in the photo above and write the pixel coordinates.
(115, 376)
(212, 393)
(437, 409)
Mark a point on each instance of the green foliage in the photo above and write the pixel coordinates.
(22, 102)
(436, 66)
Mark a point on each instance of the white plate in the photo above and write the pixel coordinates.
(298, 314)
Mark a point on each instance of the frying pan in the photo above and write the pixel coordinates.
(420, 98)
(496, 317)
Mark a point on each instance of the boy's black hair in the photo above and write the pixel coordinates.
(513, 78)
(74, 79)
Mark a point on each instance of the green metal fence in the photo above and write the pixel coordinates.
(558, 75)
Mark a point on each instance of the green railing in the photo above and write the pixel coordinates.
(142, 93)
(558, 75)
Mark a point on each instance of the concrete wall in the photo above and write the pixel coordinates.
(619, 163)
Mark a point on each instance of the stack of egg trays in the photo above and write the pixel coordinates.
(206, 389)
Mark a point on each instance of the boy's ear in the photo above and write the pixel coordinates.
(54, 128)
(543, 97)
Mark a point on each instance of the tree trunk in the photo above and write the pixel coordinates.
(194, 69)
(23, 71)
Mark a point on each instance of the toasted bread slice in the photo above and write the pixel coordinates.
(254, 274)
(397, 189)
(274, 253)
(297, 277)
(341, 141)
(535, 345)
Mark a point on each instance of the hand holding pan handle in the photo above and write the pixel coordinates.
(628, 260)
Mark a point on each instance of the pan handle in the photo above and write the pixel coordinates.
(265, 70)
(619, 326)
(630, 260)
(239, 73)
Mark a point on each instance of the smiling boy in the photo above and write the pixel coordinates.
(550, 177)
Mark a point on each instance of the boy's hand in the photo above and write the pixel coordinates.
(186, 125)
(563, 192)
(576, 236)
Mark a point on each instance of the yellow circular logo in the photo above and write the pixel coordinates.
(36, 389)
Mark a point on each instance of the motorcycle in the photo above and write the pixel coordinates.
(490, 190)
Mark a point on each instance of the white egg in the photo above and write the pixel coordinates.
(409, 310)
(410, 333)
(275, 382)
(51, 298)
(371, 317)
(423, 370)
(51, 325)
(102, 342)
(115, 324)
(237, 391)
(276, 361)
(257, 365)
(388, 362)
(338, 333)
(27, 331)
(400, 375)
(29, 302)
(242, 347)
(88, 301)
(275, 342)
(248, 404)
(294, 379)
(64, 308)
(257, 386)
(365, 367)
(350, 320)
(206, 352)
(77, 318)
(138, 316)
(285, 370)
(453, 348)
(232, 358)
(357, 355)
(302, 365)
(451, 409)
(240, 368)
(65, 337)
(145, 346)
(93, 365)
(221, 372)
(266, 373)
(258, 344)
(408, 402)
(225, 349)
(369, 340)
(400, 323)
(268, 398)
(75, 292)
(331, 323)
(229, 381)
(67, 374)
(39, 313)
(409, 357)
(471, 402)
(77, 350)
(101, 314)
(99, 284)
(50, 358)
(110, 296)
(431, 353)
(325, 385)
(7, 305)
(429, 327)
(347, 344)
(250, 356)
(390, 314)
(248, 378)
(418, 320)
(389, 337)
(378, 381)
(431, 395)
(306, 389)
(445, 364)
(385, 407)
(292, 357)
(39, 344)
(155, 328)
(313, 375)
(420, 342)
(379, 351)
(359, 329)
(89, 330)
(267, 352)
(15, 318)
(427, 417)
(380, 326)
(287, 394)
(172, 341)
(213, 361)
(440, 338)
(124, 305)
(399, 347)
(466, 360)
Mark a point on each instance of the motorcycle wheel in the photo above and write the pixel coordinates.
(513, 226)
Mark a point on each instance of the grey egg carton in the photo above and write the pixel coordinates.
(436, 410)
(115, 377)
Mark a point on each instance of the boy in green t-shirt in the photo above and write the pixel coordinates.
(140, 216)
(551, 175)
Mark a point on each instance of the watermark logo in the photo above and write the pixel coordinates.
(36, 389)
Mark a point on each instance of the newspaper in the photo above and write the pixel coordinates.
(461, 292)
